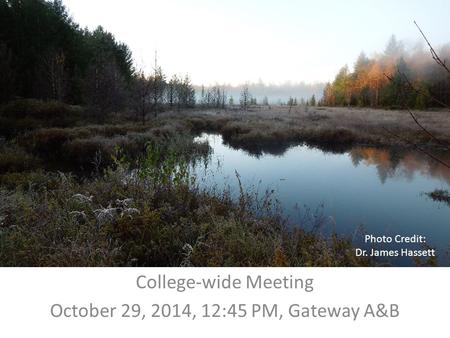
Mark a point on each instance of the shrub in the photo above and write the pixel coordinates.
(16, 159)
(38, 180)
(46, 143)
(440, 195)
(27, 114)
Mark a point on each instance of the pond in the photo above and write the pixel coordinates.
(363, 191)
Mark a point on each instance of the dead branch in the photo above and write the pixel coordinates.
(432, 51)
(406, 107)
(417, 147)
(425, 130)
(419, 91)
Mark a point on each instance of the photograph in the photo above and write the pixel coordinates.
(224, 134)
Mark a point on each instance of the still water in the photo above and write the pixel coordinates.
(363, 191)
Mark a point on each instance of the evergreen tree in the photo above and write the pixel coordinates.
(245, 98)
(50, 57)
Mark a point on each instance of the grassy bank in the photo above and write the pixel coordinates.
(274, 130)
(74, 192)
(154, 215)
(70, 139)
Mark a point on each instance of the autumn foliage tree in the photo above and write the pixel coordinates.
(368, 84)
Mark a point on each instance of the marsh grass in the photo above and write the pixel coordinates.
(15, 159)
(156, 217)
(28, 114)
(440, 195)
(328, 128)
(133, 199)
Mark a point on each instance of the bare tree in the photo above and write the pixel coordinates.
(157, 88)
(185, 93)
(171, 91)
(213, 97)
(290, 103)
(142, 89)
(157, 85)
(54, 65)
(245, 98)
(105, 88)
(7, 74)
(224, 99)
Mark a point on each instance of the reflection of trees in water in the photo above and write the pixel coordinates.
(395, 162)
(390, 162)
(259, 149)
(280, 147)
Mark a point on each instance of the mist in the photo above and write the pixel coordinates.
(275, 93)
(373, 81)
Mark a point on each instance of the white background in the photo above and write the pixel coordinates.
(422, 294)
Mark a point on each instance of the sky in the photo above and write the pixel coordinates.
(276, 41)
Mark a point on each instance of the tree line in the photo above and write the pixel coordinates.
(44, 54)
(153, 93)
(380, 81)
(217, 96)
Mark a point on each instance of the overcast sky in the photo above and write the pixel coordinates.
(234, 41)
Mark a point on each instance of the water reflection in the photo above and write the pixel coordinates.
(391, 163)
(378, 189)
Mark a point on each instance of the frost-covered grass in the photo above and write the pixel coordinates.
(153, 215)
(122, 194)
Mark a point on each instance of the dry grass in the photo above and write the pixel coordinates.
(119, 219)
(168, 221)
(327, 127)
(440, 196)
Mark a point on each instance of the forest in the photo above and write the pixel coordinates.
(65, 62)
(45, 55)
(396, 78)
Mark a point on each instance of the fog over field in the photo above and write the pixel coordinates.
(275, 93)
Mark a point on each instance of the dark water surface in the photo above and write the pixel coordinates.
(381, 191)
